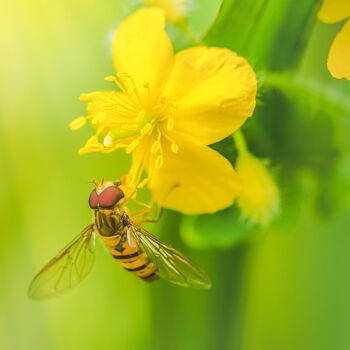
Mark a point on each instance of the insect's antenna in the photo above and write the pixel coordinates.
(95, 182)
(102, 181)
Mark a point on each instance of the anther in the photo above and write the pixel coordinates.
(99, 118)
(155, 147)
(87, 97)
(110, 78)
(174, 147)
(147, 129)
(159, 162)
(77, 123)
(170, 124)
(83, 97)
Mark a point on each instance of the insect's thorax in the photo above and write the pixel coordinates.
(111, 222)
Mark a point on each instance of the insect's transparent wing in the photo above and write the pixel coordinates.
(170, 263)
(70, 266)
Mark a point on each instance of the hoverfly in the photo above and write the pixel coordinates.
(134, 248)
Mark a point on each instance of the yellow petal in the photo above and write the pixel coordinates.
(142, 49)
(334, 10)
(214, 90)
(194, 180)
(339, 54)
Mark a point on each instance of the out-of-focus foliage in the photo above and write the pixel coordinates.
(284, 287)
(271, 34)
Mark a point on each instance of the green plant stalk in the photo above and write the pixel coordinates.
(240, 142)
(186, 318)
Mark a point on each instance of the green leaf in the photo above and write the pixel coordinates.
(271, 34)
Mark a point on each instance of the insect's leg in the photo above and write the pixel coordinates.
(148, 206)
(142, 220)
(132, 194)
(141, 212)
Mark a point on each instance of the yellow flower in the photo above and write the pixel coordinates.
(333, 11)
(259, 198)
(169, 108)
(175, 10)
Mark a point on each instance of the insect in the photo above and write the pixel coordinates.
(134, 248)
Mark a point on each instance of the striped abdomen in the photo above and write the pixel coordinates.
(128, 254)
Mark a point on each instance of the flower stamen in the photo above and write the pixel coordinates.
(133, 145)
(160, 159)
(77, 123)
(170, 124)
(99, 118)
(140, 116)
(147, 129)
(159, 162)
(113, 79)
(174, 146)
(155, 147)
(134, 89)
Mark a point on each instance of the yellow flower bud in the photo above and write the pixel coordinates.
(259, 198)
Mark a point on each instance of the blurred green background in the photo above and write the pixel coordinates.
(284, 287)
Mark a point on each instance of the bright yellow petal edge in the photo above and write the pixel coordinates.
(333, 11)
(166, 109)
(339, 54)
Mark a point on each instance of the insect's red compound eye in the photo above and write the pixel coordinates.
(93, 200)
(110, 197)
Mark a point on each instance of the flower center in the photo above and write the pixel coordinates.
(128, 119)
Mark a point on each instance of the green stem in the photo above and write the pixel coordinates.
(190, 34)
(240, 142)
(190, 319)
